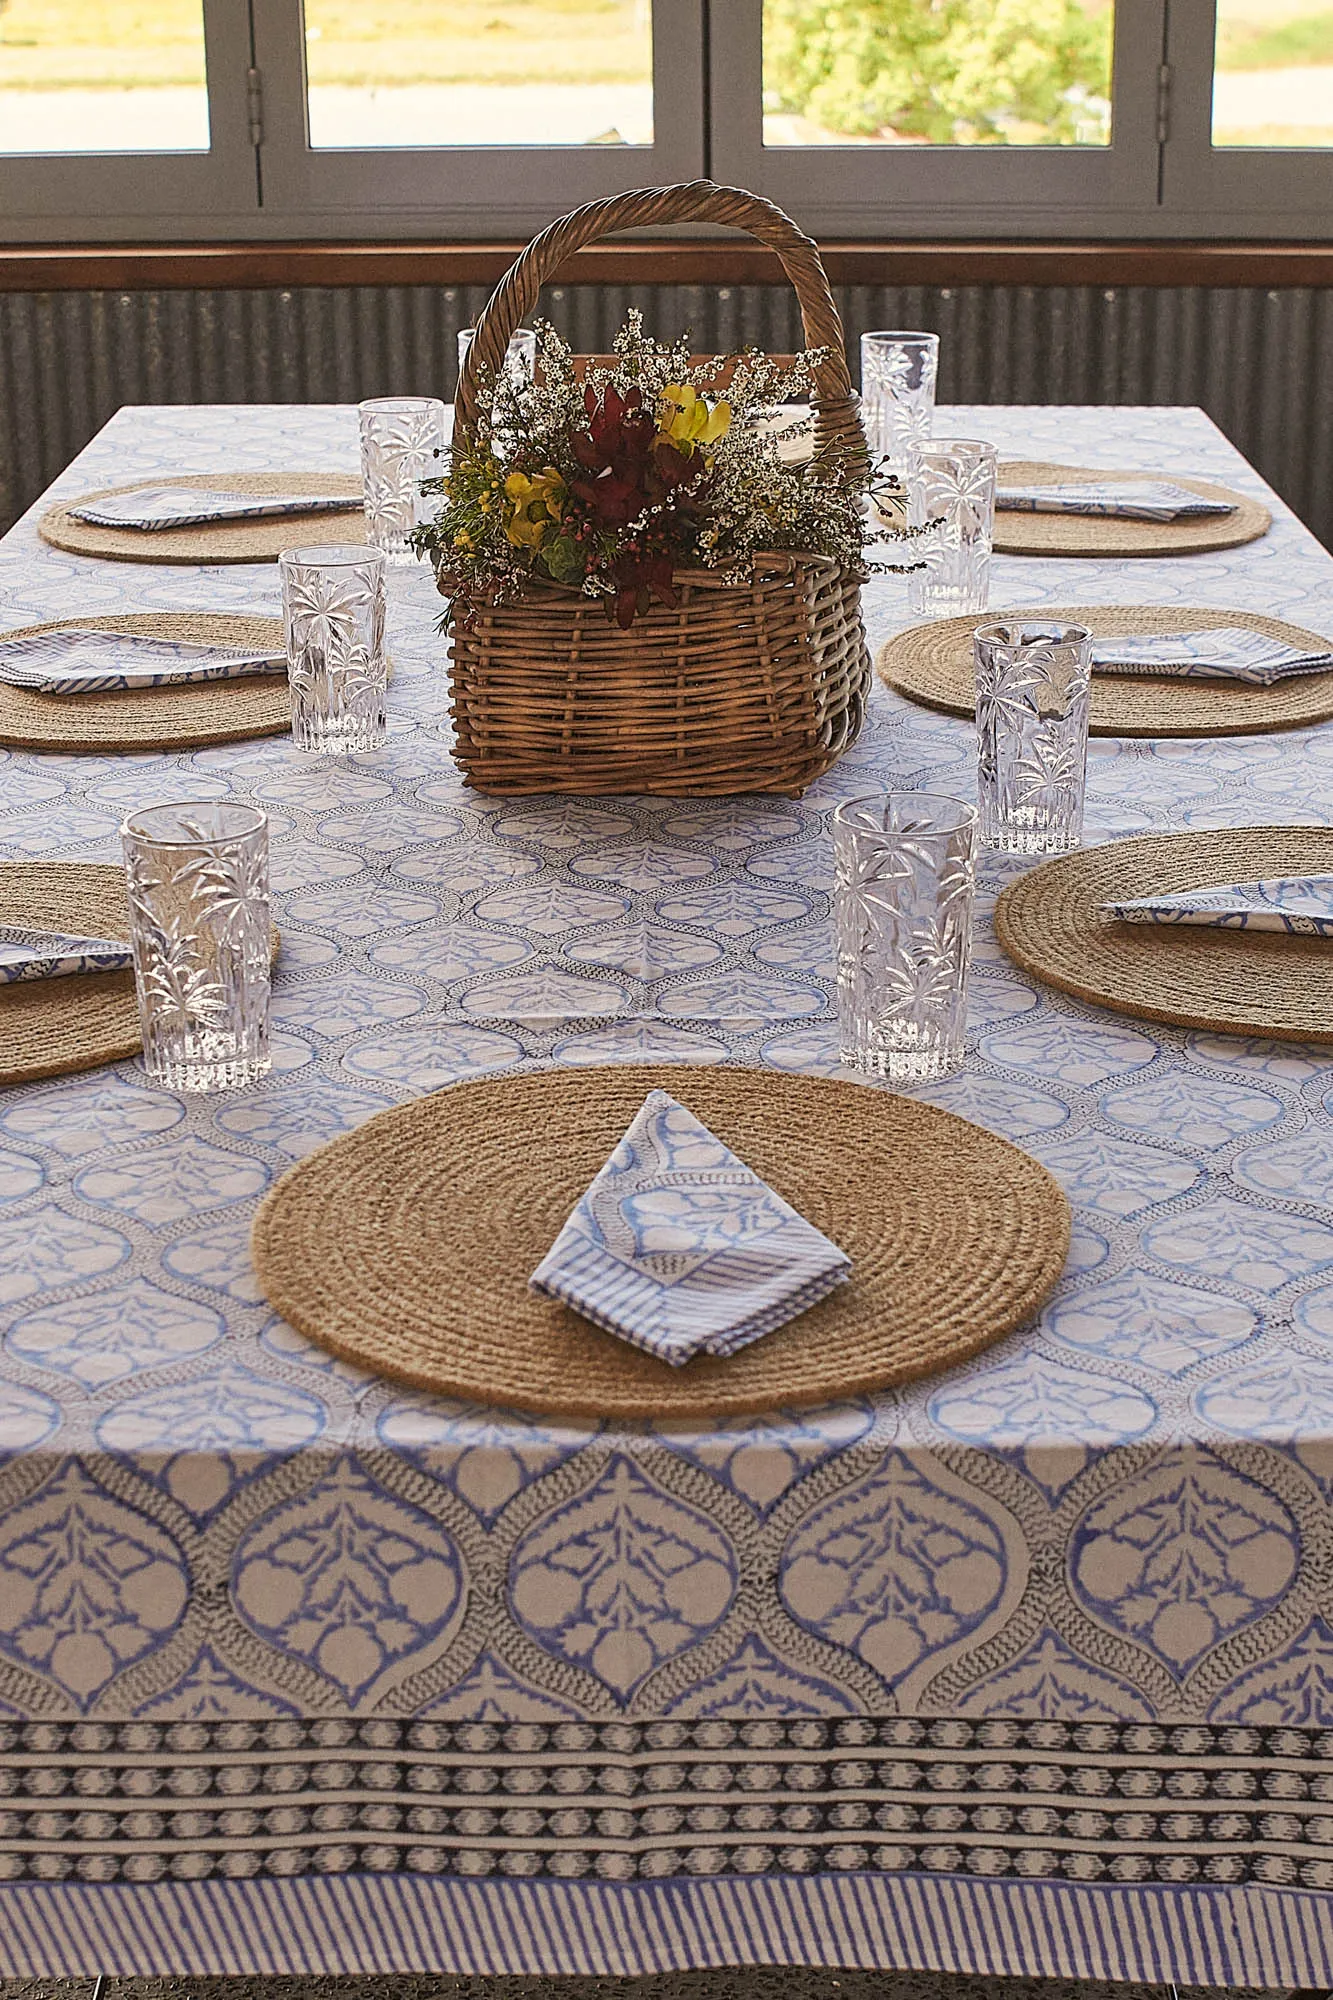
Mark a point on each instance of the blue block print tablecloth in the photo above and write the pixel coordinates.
(1024, 1668)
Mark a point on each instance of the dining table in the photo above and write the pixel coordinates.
(1022, 1669)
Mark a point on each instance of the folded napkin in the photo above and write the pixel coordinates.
(34, 954)
(107, 662)
(680, 1249)
(192, 506)
(1301, 904)
(1130, 499)
(1229, 653)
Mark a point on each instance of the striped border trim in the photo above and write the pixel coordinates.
(366, 1924)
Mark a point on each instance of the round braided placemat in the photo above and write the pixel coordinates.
(406, 1246)
(932, 664)
(49, 1026)
(223, 541)
(1233, 982)
(1018, 534)
(168, 718)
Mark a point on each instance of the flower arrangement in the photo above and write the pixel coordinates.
(609, 481)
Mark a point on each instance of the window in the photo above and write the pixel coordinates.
(1029, 116)
(454, 118)
(117, 78)
(883, 74)
(1251, 129)
(473, 116)
(1273, 74)
(479, 73)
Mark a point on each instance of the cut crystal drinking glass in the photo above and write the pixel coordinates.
(333, 621)
(521, 358)
(402, 443)
(951, 483)
(898, 373)
(904, 879)
(197, 881)
(1033, 693)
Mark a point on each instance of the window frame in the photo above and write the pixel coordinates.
(1278, 190)
(916, 191)
(1150, 184)
(104, 195)
(465, 191)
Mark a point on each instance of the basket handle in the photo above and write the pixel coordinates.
(838, 432)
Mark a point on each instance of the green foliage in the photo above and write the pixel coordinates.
(945, 71)
(1307, 39)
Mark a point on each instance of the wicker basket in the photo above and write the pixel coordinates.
(742, 688)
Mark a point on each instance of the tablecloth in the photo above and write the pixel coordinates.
(1026, 1668)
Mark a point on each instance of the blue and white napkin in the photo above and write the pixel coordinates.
(38, 954)
(1229, 653)
(108, 662)
(150, 507)
(1128, 499)
(1299, 904)
(680, 1249)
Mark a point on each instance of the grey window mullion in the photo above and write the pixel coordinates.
(1232, 191)
(102, 196)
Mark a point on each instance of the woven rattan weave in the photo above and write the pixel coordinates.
(932, 664)
(406, 1246)
(1019, 534)
(1233, 982)
(742, 688)
(220, 541)
(166, 718)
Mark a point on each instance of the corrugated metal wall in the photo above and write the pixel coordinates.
(1260, 362)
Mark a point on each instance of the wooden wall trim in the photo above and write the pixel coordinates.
(153, 267)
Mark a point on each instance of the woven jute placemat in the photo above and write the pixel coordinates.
(406, 1246)
(932, 664)
(1018, 534)
(168, 718)
(49, 1026)
(1233, 982)
(224, 541)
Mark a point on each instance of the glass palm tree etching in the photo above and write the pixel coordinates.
(198, 892)
(333, 610)
(951, 486)
(402, 438)
(904, 883)
(898, 373)
(1033, 693)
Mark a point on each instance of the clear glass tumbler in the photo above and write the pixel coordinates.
(898, 373)
(197, 881)
(402, 439)
(1033, 690)
(333, 620)
(904, 879)
(951, 482)
(521, 358)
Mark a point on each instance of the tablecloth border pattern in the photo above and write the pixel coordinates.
(714, 1800)
(1253, 1938)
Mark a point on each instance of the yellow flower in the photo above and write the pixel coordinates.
(685, 420)
(534, 505)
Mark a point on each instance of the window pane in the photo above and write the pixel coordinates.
(102, 76)
(480, 72)
(1273, 82)
(938, 72)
